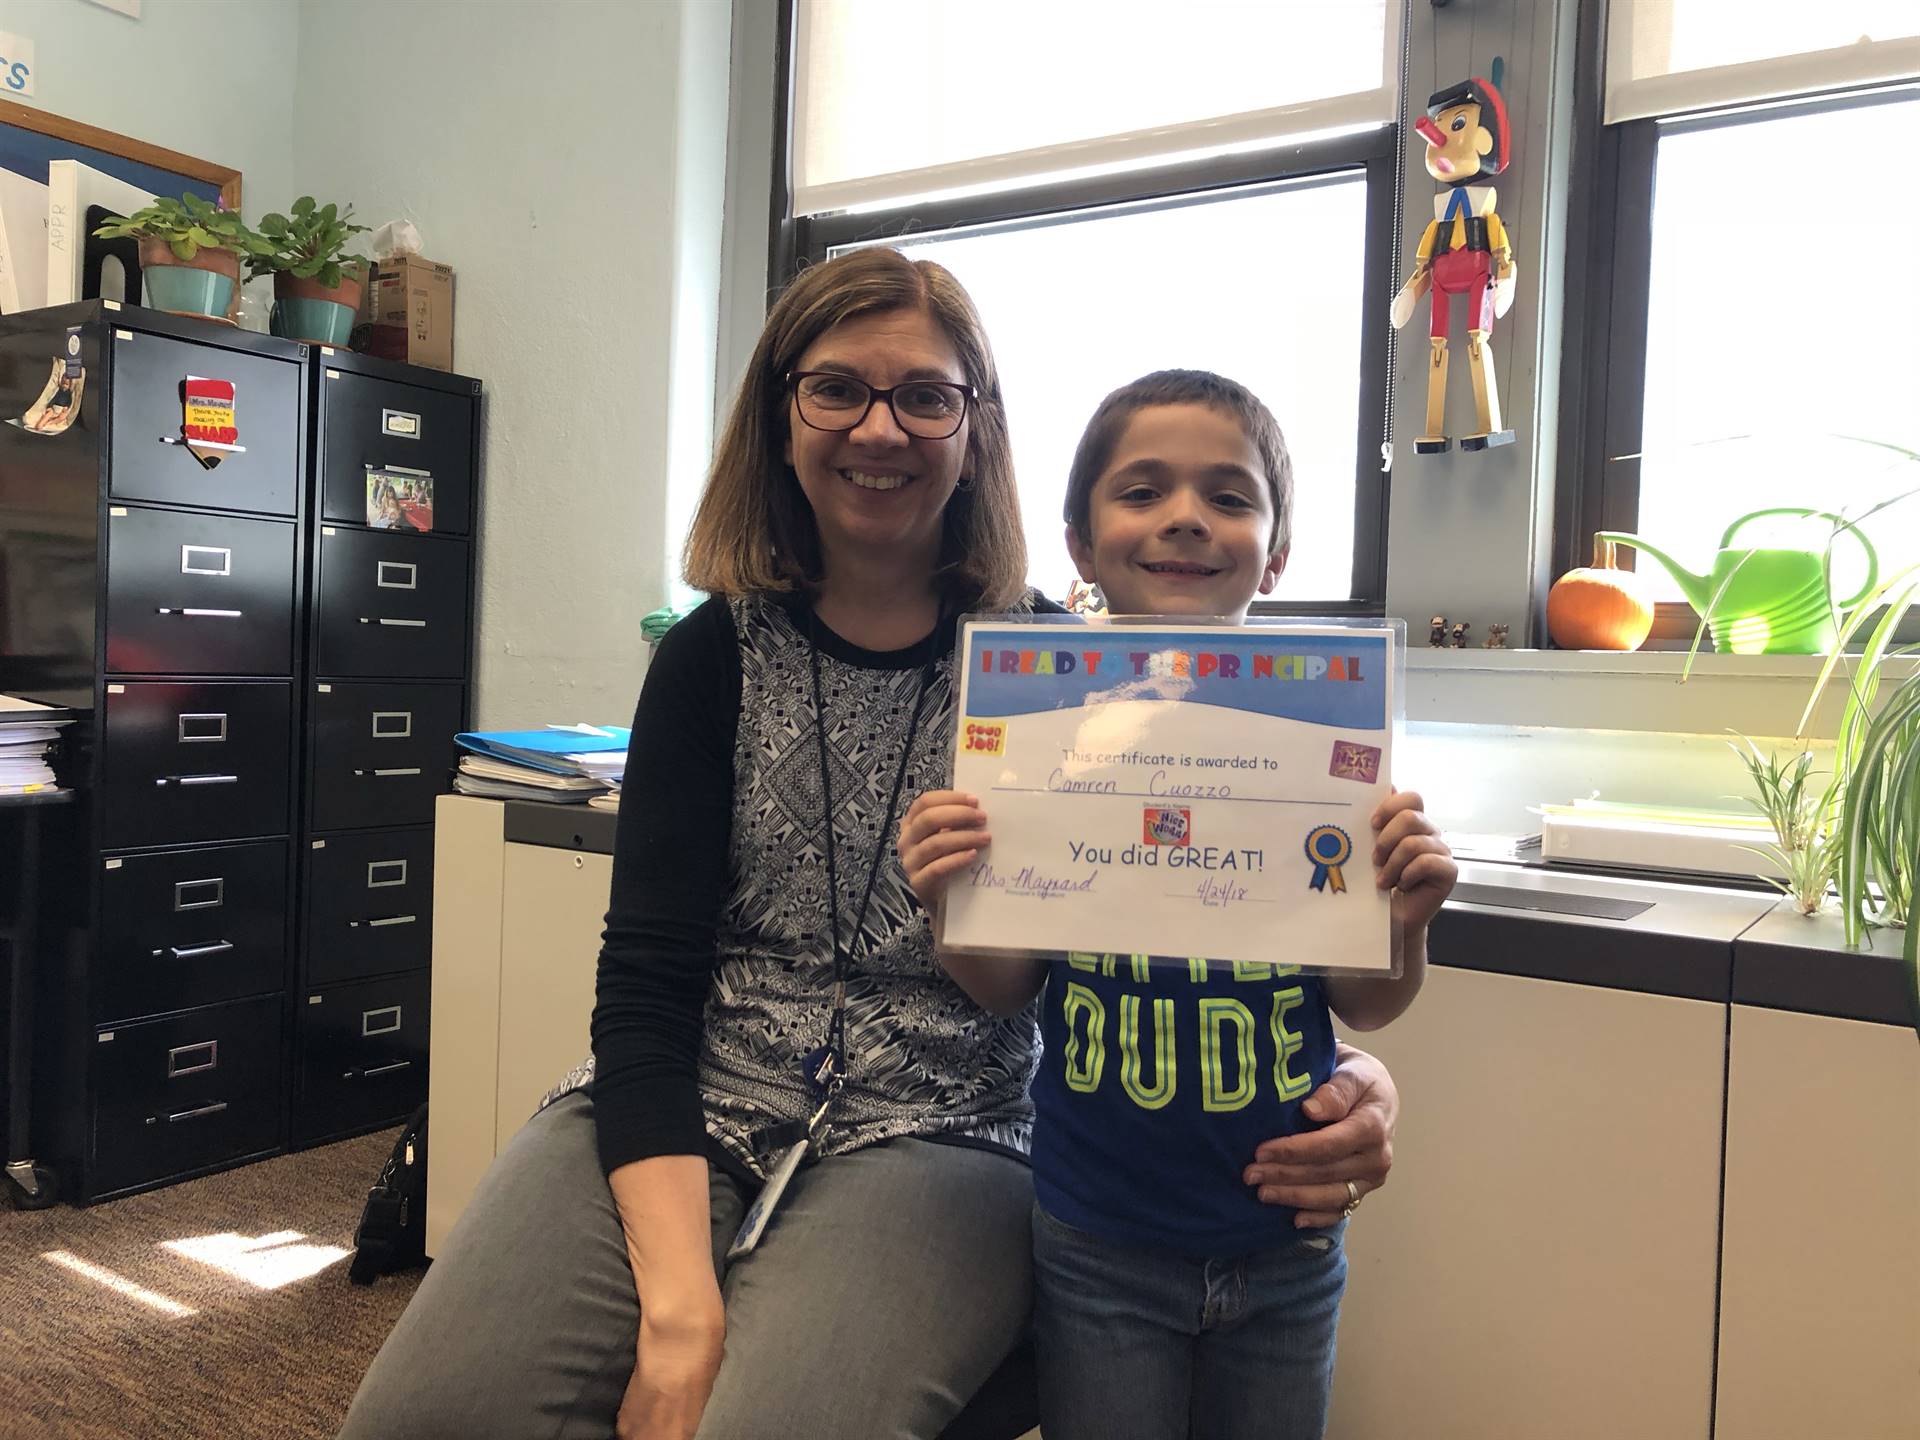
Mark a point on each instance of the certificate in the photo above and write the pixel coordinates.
(1176, 789)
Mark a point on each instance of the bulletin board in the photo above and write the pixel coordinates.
(30, 138)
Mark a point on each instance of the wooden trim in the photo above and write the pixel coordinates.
(43, 122)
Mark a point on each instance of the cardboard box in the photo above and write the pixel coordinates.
(406, 313)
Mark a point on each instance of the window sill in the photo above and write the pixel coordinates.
(1609, 690)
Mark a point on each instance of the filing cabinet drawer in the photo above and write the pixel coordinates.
(183, 1093)
(381, 752)
(198, 594)
(369, 425)
(363, 1055)
(390, 605)
(369, 905)
(191, 927)
(149, 414)
(196, 761)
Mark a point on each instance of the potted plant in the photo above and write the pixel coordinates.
(316, 284)
(190, 254)
(1865, 825)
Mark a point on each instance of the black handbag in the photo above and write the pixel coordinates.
(393, 1227)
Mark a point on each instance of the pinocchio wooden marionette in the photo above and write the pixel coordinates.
(1464, 251)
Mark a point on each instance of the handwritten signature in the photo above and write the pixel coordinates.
(1030, 881)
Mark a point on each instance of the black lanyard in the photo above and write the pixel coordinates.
(827, 1067)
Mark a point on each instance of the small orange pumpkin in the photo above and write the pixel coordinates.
(1602, 608)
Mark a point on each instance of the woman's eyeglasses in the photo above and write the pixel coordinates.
(926, 409)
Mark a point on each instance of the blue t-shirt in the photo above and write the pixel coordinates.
(1158, 1081)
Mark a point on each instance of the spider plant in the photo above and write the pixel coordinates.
(1807, 833)
(1877, 762)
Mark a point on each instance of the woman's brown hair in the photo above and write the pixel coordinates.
(754, 531)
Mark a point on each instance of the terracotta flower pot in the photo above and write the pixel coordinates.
(305, 309)
(207, 286)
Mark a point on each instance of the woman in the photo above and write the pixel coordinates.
(861, 497)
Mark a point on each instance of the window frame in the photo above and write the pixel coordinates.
(798, 241)
(1603, 389)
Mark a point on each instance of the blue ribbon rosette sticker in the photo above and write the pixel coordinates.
(1328, 847)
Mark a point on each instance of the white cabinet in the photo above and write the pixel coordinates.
(1820, 1282)
(1541, 1262)
(516, 939)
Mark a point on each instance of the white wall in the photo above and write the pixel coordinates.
(213, 79)
(568, 160)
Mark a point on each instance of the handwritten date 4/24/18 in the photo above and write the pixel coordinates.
(1218, 894)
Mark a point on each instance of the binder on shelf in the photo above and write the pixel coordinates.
(596, 751)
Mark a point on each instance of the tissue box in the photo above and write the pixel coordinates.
(406, 313)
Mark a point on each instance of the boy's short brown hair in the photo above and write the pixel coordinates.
(1181, 387)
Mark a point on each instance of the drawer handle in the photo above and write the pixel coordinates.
(384, 874)
(209, 1048)
(193, 560)
(198, 613)
(387, 774)
(385, 729)
(198, 780)
(387, 1015)
(376, 1070)
(383, 620)
(182, 887)
(218, 732)
(194, 952)
(396, 575)
(214, 1109)
(382, 924)
(204, 444)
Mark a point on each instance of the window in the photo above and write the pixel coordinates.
(1115, 224)
(1108, 318)
(1754, 308)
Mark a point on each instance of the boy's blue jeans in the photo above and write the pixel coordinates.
(1146, 1344)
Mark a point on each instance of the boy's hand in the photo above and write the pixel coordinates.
(940, 834)
(1409, 855)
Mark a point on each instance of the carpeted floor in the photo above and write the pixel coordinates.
(81, 1359)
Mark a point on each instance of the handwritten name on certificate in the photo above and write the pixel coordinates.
(1176, 791)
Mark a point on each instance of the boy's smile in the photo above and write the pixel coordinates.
(1182, 518)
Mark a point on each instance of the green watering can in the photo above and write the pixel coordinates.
(1771, 602)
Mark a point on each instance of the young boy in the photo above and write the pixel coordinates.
(1169, 1301)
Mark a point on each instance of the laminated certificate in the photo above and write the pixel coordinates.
(1176, 789)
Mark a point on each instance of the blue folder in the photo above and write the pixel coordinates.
(544, 749)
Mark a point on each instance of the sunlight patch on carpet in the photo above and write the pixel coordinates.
(265, 1262)
(119, 1284)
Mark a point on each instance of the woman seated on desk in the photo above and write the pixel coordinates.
(783, 729)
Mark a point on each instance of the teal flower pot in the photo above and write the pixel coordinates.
(187, 291)
(321, 322)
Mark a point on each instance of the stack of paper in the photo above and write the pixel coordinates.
(563, 763)
(26, 735)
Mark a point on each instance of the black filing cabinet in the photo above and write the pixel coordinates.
(250, 563)
(152, 563)
(389, 662)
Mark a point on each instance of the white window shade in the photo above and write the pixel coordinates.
(1666, 57)
(899, 99)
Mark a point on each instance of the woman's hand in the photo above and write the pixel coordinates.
(940, 834)
(673, 1372)
(1357, 1109)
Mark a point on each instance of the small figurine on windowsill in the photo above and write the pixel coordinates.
(1437, 633)
(1464, 251)
(1496, 637)
(1085, 599)
(1460, 635)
